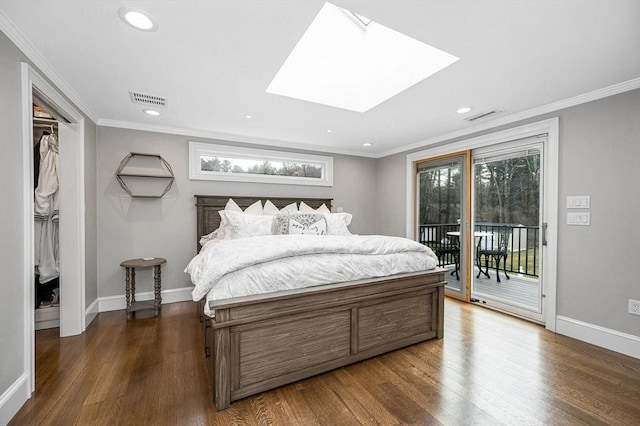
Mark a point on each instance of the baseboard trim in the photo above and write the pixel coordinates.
(14, 398)
(45, 318)
(617, 341)
(173, 295)
(91, 313)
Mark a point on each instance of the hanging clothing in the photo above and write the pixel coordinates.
(47, 258)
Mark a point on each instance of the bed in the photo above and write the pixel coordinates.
(258, 342)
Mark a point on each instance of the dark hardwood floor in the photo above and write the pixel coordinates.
(489, 369)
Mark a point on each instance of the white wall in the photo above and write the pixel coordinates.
(599, 150)
(137, 227)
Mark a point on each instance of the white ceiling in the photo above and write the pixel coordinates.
(213, 60)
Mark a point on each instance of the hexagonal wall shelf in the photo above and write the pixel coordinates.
(145, 175)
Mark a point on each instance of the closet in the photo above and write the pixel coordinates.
(46, 213)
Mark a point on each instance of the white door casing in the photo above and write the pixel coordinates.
(550, 190)
(72, 220)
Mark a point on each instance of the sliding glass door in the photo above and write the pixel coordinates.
(503, 187)
(507, 206)
(441, 214)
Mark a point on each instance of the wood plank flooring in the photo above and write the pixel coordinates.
(489, 369)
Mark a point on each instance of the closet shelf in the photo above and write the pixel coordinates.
(145, 166)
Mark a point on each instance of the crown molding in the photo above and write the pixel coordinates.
(614, 89)
(230, 137)
(16, 36)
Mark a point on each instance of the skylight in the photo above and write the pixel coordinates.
(347, 61)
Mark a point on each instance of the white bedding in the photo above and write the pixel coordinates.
(256, 265)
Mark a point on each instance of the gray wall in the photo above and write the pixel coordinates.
(11, 218)
(598, 270)
(90, 215)
(136, 227)
(12, 238)
(391, 195)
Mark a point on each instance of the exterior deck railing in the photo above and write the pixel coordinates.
(522, 253)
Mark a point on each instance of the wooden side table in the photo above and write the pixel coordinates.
(130, 289)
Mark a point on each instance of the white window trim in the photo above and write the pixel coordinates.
(198, 149)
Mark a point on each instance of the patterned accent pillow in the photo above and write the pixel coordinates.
(299, 223)
(280, 223)
(308, 223)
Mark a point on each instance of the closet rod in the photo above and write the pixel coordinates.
(47, 126)
(44, 120)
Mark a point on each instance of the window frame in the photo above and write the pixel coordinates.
(199, 149)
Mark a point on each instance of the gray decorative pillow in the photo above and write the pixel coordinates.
(299, 223)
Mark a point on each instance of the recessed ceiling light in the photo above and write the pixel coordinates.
(367, 144)
(151, 112)
(329, 131)
(248, 117)
(463, 110)
(348, 61)
(138, 19)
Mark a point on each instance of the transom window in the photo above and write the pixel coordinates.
(229, 163)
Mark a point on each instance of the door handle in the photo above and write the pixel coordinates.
(544, 234)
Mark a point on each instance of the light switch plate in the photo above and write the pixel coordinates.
(579, 218)
(578, 201)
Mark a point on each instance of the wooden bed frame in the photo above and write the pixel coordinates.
(257, 343)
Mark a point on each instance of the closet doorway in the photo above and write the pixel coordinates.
(46, 213)
(71, 199)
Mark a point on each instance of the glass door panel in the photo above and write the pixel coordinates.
(441, 212)
(507, 193)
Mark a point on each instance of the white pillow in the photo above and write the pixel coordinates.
(270, 208)
(337, 223)
(322, 209)
(254, 209)
(241, 225)
(290, 208)
(232, 206)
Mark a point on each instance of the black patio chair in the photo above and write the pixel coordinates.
(451, 249)
(498, 254)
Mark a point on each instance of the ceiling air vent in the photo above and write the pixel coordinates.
(151, 100)
(482, 115)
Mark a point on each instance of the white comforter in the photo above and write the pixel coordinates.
(242, 267)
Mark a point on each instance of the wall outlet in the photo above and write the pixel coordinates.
(634, 307)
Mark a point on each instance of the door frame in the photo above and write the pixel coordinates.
(465, 216)
(71, 222)
(517, 145)
(550, 190)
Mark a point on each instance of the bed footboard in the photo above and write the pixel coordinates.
(257, 343)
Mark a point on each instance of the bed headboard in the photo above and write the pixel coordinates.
(207, 207)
